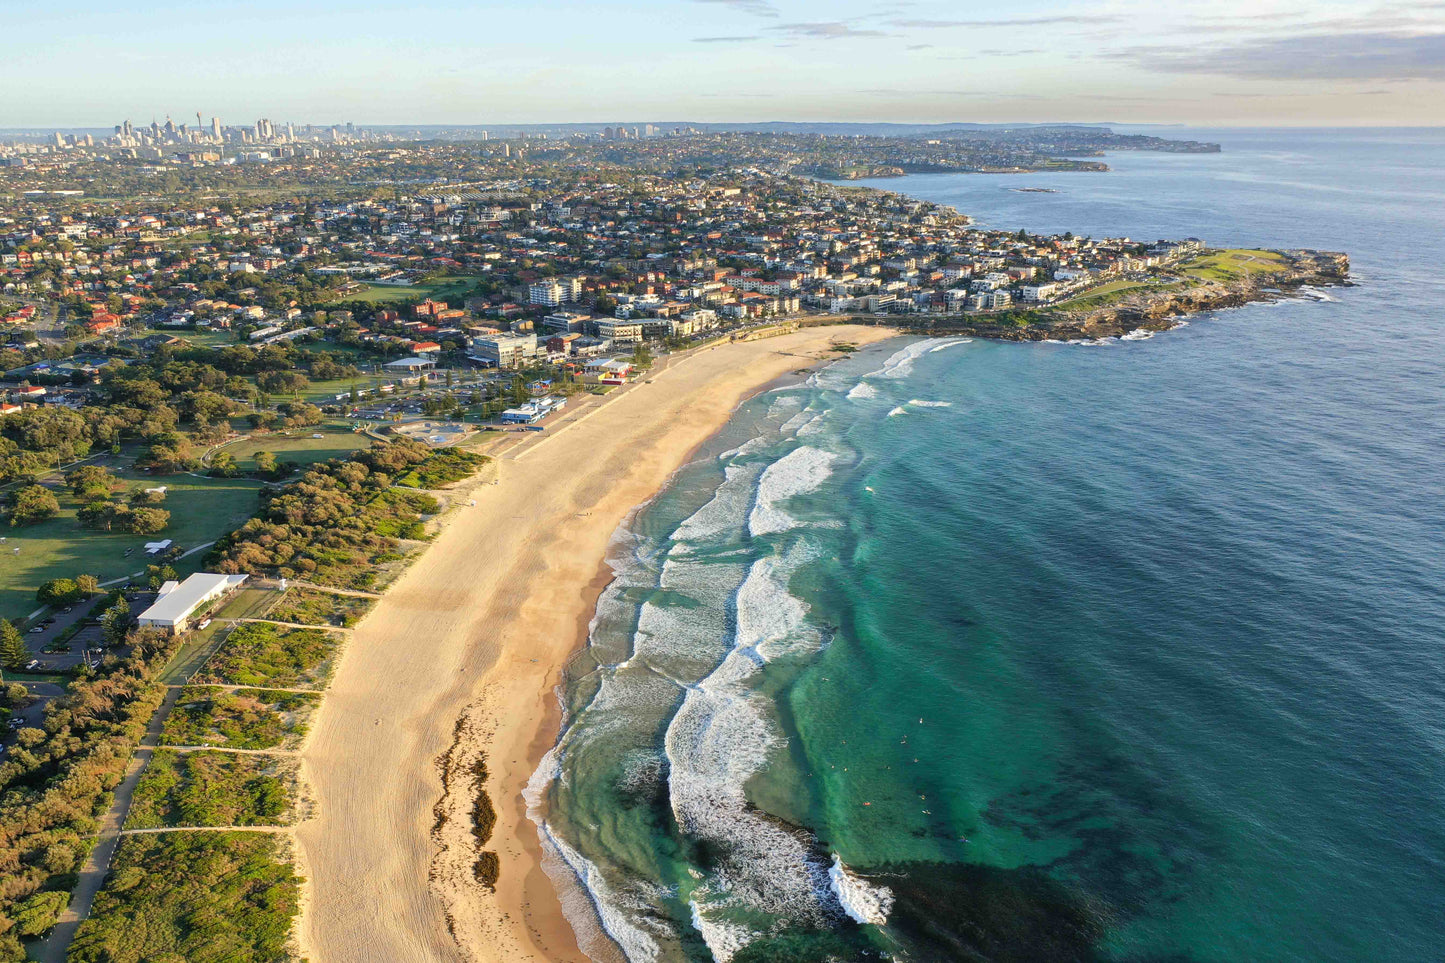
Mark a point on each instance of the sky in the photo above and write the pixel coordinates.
(87, 63)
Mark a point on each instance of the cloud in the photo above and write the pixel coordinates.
(725, 39)
(1016, 22)
(898, 92)
(1358, 56)
(760, 8)
(826, 30)
(920, 46)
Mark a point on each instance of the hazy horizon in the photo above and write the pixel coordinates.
(383, 62)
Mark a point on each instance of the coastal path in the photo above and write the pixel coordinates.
(92, 875)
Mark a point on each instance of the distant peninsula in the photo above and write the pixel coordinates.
(1210, 280)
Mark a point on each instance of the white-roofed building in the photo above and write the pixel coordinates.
(177, 602)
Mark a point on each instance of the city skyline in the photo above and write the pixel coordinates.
(436, 62)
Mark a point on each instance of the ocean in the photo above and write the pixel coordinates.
(962, 650)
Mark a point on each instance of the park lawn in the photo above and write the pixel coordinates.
(262, 654)
(1233, 264)
(248, 603)
(297, 445)
(202, 510)
(193, 896)
(449, 287)
(307, 606)
(213, 789)
(207, 339)
(242, 719)
(1112, 292)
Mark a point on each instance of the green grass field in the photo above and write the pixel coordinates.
(1233, 264)
(1111, 292)
(207, 339)
(298, 446)
(202, 510)
(451, 287)
(248, 603)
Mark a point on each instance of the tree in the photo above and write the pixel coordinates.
(148, 521)
(266, 463)
(282, 382)
(87, 584)
(115, 621)
(33, 504)
(57, 591)
(13, 653)
(89, 482)
(449, 377)
(223, 465)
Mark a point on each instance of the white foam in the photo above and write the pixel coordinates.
(602, 905)
(724, 511)
(1138, 334)
(771, 621)
(720, 737)
(1310, 293)
(723, 939)
(915, 403)
(900, 364)
(863, 901)
(862, 390)
(801, 470)
(900, 410)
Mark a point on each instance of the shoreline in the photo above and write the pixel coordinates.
(458, 664)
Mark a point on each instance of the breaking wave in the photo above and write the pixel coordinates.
(863, 901)
(801, 470)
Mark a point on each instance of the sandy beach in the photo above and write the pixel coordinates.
(458, 663)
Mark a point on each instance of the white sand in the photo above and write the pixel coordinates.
(478, 629)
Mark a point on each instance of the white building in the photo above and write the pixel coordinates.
(566, 322)
(546, 293)
(504, 350)
(178, 601)
(616, 329)
(555, 292)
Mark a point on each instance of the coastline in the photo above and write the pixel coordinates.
(458, 662)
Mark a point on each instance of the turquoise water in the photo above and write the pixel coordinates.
(977, 651)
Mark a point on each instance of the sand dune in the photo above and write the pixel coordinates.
(473, 636)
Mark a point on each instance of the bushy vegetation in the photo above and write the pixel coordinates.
(56, 782)
(242, 719)
(311, 607)
(211, 789)
(32, 504)
(443, 467)
(336, 523)
(202, 897)
(260, 654)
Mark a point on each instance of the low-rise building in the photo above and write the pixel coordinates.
(178, 602)
(504, 350)
(616, 329)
